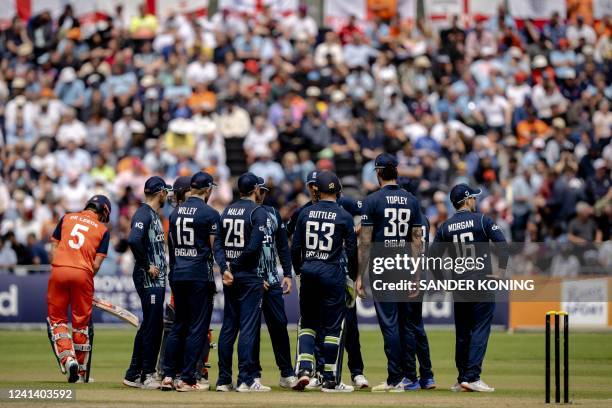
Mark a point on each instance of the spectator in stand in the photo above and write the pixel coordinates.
(71, 129)
(478, 40)
(262, 140)
(531, 128)
(582, 229)
(79, 159)
(234, 121)
(144, 25)
(8, 257)
(547, 100)
(37, 250)
(302, 24)
(581, 34)
(268, 169)
(554, 31)
(329, 49)
(522, 114)
(70, 89)
(349, 30)
(357, 53)
(495, 111)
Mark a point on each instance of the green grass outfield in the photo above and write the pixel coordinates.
(514, 366)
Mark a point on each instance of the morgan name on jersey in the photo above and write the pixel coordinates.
(460, 225)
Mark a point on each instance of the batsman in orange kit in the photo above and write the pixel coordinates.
(80, 244)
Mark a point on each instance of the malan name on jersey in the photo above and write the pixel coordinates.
(235, 211)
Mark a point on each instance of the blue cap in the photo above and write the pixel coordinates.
(262, 184)
(247, 183)
(156, 184)
(462, 191)
(182, 183)
(385, 160)
(328, 182)
(202, 180)
(311, 177)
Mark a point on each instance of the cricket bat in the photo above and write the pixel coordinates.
(120, 312)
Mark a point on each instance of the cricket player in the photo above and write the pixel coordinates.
(180, 188)
(391, 219)
(351, 330)
(80, 244)
(147, 242)
(324, 233)
(426, 376)
(472, 319)
(275, 245)
(243, 228)
(192, 240)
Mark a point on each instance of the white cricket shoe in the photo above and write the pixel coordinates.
(81, 380)
(150, 383)
(255, 387)
(72, 370)
(204, 384)
(314, 383)
(224, 388)
(331, 386)
(477, 386)
(457, 388)
(167, 384)
(288, 382)
(384, 387)
(360, 382)
(134, 384)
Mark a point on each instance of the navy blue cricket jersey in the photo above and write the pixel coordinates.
(392, 212)
(243, 228)
(351, 205)
(294, 217)
(191, 256)
(147, 242)
(275, 244)
(466, 226)
(324, 232)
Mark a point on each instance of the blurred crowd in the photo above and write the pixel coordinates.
(521, 110)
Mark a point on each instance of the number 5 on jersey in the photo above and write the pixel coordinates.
(80, 238)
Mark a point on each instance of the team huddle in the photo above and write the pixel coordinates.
(320, 248)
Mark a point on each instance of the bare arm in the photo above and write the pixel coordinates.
(416, 247)
(365, 244)
(53, 249)
(97, 263)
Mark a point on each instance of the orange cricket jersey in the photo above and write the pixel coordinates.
(80, 237)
